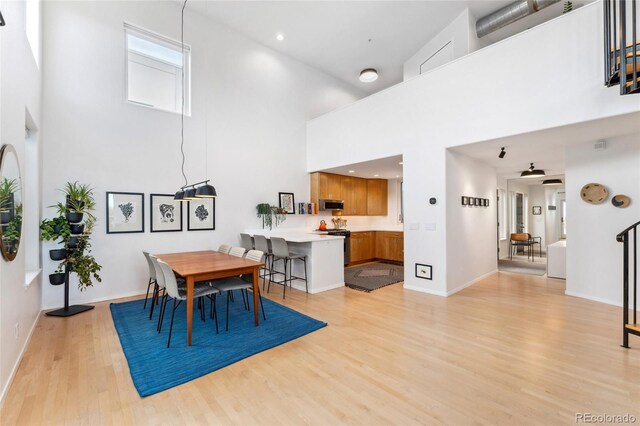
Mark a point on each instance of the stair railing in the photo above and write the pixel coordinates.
(629, 263)
(621, 45)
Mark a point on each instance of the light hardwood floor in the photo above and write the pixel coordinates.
(511, 349)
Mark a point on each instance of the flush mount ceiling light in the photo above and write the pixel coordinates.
(502, 153)
(552, 182)
(280, 37)
(189, 192)
(368, 75)
(532, 172)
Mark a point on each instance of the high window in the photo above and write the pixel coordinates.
(155, 66)
(32, 27)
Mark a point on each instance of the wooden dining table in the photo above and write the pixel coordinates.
(208, 265)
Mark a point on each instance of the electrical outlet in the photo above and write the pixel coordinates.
(17, 330)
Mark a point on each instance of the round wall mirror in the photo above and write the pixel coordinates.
(10, 202)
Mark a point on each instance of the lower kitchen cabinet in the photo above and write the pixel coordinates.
(362, 246)
(390, 246)
(383, 245)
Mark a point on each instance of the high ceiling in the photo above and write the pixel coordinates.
(343, 37)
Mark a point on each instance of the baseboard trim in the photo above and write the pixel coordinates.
(99, 299)
(14, 370)
(593, 299)
(301, 287)
(424, 290)
(470, 283)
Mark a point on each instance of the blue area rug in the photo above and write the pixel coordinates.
(155, 368)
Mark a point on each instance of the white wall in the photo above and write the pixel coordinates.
(553, 217)
(454, 41)
(19, 91)
(246, 132)
(471, 230)
(495, 92)
(594, 257)
(537, 222)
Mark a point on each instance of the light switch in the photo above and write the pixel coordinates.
(429, 226)
(414, 227)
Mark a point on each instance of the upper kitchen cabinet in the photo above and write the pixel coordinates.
(354, 193)
(361, 197)
(377, 197)
(326, 186)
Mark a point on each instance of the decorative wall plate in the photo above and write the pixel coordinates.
(594, 193)
(621, 201)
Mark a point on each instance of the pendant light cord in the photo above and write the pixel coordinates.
(182, 77)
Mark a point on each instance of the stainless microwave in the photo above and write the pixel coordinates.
(331, 205)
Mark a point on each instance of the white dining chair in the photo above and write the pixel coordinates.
(224, 248)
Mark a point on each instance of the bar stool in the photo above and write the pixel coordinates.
(281, 252)
(262, 245)
(246, 241)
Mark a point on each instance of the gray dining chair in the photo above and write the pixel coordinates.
(242, 283)
(179, 294)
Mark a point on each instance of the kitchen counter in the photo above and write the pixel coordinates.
(325, 258)
(383, 228)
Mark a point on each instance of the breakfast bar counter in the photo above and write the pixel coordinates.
(325, 258)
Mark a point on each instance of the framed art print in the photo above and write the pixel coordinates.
(537, 210)
(465, 200)
(166, 213)
(125, 212)
(201, 215)
(286, 202)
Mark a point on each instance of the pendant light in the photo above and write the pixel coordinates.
(552, 182)
(189, 192)
(532, 172)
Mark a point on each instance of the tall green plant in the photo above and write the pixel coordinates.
(79, 198)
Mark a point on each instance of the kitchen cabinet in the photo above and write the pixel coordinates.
(377, 197)
(362, 197)
(390, 246)
(354, 194)
(362, 246)
(383, 245)
(329, 186)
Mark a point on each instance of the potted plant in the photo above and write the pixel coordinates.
(7, 188)
(79, 201)
(12, 230)
(69, 230)
(270, 215)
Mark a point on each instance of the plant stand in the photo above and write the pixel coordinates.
(68, 311)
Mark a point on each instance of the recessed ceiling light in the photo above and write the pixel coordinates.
(376, 175)
(352, 171)
(279, 36)
(368, 75)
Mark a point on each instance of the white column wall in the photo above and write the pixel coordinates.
(246, 133)
(509, 88)
(471, 230)
(19, 90)
(594, 257)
